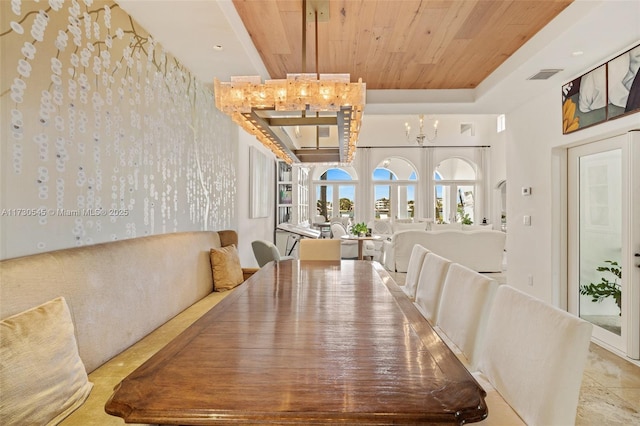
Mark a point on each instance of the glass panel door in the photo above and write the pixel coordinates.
(333, 200)
(407, 201)
(382, 201)
(454, 203)
(324, 203)
(347, 200)
(602, 274)
(600, 239)
(466, 204)
(443, 212)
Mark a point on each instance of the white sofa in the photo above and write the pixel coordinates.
(480, 250)
(127, 299)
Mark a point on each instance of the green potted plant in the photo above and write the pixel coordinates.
(359, 229)
(465, 219)
(605, 288)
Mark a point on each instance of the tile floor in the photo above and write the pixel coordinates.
(610, 393)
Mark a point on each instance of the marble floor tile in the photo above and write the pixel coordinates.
(629, 395)
(611, 371)
(599, 406)
(610, 393)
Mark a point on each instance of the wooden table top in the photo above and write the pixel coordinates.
(305, 342)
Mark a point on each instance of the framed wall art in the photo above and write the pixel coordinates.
(259, 204)
(624, 83)
(609, 91)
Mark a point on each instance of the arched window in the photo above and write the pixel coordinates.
(335, 192)
(455, 191)
(394, 185)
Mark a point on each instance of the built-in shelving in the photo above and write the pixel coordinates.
(292, 194)
(292, 200)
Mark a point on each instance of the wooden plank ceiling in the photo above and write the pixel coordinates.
(397, 44)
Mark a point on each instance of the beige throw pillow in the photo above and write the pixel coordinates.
(225, 265)
(42, 377)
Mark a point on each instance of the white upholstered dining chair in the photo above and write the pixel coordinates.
(414, 267)
(533, 355)
(430, 282)
(319, 249)
(464, 306)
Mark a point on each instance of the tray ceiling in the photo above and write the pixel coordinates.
(391, 44)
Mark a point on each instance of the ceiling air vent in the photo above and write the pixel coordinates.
(544, 74)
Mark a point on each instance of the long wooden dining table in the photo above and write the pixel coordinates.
(305, 342)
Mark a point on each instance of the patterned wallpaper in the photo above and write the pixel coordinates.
(104, 134)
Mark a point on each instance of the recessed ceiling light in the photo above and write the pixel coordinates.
(577, 53)
(217, 47)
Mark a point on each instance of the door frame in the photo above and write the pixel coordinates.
(628, 342)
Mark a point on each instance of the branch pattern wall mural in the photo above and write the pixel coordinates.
(104, 134)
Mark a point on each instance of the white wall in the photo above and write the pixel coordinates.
(250, 229)
(535, 152)
(529, 165)
(389, 130)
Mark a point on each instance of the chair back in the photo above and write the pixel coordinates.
(338, 230)
(320, 249)
(319, 219)
(349, 247)
(265, 251)
(464, 307)
(414, 267)
(380, 227)
(344, 220)
(430, 282)
(534, 355)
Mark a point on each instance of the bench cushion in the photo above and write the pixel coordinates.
(117, 292)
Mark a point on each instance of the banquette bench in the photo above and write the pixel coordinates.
(126, 300)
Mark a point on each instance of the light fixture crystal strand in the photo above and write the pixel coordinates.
(304, 93)
(421, 136)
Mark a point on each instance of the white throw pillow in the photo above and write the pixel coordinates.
(42, 377)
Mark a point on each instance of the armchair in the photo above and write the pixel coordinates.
(349, 249)
(383, 228)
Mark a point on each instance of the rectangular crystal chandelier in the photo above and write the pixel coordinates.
(244, 97)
